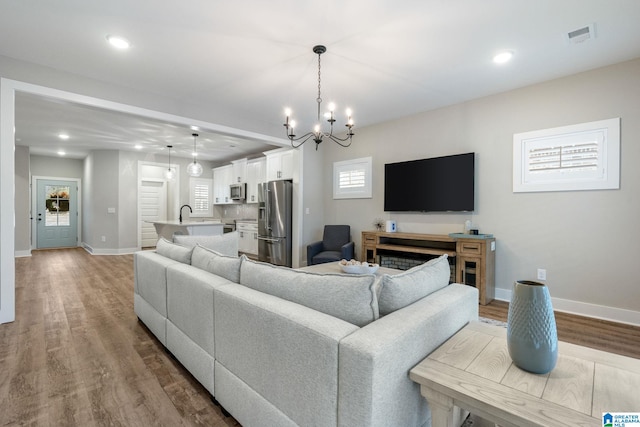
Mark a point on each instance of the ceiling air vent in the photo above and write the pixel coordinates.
(581, 34)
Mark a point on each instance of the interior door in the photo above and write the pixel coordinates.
(56, 214)
(153, 206)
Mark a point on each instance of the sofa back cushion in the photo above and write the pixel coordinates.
(351, 298)
(400, 290)
(216, 263)
(225, 244)
(175, 252)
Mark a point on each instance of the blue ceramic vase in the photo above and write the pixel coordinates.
(532, 336)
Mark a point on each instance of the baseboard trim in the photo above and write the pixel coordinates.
(22, 254)
(612, 314)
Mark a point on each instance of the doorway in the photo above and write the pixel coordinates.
(56, 213)
(153, 207)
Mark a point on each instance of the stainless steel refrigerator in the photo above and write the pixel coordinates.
(274, 222)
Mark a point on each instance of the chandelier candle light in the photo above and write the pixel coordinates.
(194, 169)
(318, 134)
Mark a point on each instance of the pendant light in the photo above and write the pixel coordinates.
(170, 174)
(194, 169)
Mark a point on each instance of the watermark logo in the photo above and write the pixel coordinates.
(621, 419)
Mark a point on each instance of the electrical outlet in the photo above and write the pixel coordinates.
(542, 274)
(104, 238)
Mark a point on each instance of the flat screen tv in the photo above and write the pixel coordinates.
(439, 184)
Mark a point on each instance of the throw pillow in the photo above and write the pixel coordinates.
(225, 244)
(402, 289)
(175, 252)
(214, 262)
(351, 298)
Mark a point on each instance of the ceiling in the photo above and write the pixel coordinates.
(242, 62)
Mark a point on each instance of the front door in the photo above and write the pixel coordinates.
(56, 213)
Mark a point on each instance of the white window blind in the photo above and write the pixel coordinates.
(200, 197)
(576, 157)
(352, 179)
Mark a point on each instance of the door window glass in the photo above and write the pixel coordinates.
(57, 202)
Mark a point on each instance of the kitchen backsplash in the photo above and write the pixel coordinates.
(239, 211)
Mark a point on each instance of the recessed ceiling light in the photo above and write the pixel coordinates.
(138, 147)
(63, 136)
(503, 57)
(195, 128)
(61, 153)
(118, 42)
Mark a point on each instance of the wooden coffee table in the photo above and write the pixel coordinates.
(333, 267)
(473, 371)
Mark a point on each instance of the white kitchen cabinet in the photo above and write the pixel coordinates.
(256, 174)
(247, 237)
(279, 164)
(222, 178)
(239, 171)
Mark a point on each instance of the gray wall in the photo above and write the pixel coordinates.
(112, 182)
(56, 167)
(23, 202)
(587, 240)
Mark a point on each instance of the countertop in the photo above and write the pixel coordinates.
(187, 223)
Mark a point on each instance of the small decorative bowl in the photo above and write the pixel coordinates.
(359, 269)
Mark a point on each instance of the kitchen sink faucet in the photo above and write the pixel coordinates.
(190, 210)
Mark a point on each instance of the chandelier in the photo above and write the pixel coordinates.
(318, 134)
(194, 169)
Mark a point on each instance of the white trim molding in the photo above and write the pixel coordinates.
(579, 308)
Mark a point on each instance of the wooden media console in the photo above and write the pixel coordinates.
(474, 256)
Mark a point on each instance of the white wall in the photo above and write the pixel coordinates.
(586, 240)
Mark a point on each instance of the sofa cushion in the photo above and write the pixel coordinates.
(351, 298)
(216, 263)
(175, 252)
(225, 244)
(400, 290)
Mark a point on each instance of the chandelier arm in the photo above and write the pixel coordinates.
(304, 138)
(340, 141)
(337, 139)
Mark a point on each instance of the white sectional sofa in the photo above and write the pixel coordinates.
(281, 347)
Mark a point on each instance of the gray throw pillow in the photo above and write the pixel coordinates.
(175, 252)
(402, 289)
(351, 298)
(225, 244)
(214, 262)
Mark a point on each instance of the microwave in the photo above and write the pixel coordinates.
(238, 191)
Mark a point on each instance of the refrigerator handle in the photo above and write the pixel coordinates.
(267, 207)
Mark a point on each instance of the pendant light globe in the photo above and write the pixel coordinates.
(194, 169)
(170, 173)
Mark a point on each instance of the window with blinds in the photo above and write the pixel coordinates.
(201, 197)
(577, 157)
(352, 179)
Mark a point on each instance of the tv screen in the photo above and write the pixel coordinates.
(438, 184)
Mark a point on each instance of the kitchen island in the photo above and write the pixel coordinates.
(167, 229)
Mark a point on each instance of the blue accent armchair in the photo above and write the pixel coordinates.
(336, 244)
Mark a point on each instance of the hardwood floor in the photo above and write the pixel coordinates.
(76, 354)
(600, 334)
